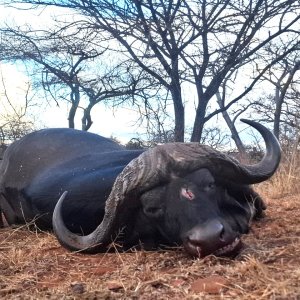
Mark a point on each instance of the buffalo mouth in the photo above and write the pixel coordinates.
(229, 250)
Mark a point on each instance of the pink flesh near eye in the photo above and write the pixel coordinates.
(187, 194)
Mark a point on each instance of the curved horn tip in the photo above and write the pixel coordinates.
(249, 122)
(59, 202)
(70, 240)
(254, 124)
(57, 208)
(269, 163)
(63, 196)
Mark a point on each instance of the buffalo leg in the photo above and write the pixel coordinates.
(6, 211)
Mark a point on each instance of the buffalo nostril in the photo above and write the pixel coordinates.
(210, 233)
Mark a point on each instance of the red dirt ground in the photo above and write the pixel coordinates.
(34, 266)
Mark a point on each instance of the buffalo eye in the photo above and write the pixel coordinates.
(153, 212)
(210, 186)
(187, 193)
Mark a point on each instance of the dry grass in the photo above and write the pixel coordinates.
(287, 178)
(34, 266)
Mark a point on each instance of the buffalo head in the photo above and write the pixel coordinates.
(180, 188)
(197, 212)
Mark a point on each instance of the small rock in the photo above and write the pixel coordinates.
(114, 286)
(212, 285)
(78, 287)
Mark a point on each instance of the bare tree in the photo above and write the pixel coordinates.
(215, 137)
(200, 42)
(232, 35)
(76, 69)
(281, 106)
(282, 78)
(15, 119)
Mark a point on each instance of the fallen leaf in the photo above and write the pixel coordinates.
(213, 284)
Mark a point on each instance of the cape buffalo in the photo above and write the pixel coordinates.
(177, 193)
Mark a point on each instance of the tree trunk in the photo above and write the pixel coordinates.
(86, 121)
(179, 115)
(199, 120)
(280, 93)
(75, 98)
(175, 88)
(277, 113)
(234, 134)
(71, 116)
